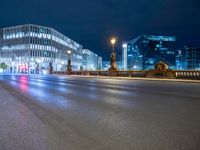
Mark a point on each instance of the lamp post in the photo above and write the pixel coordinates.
(113, 41)
(50, 68)
(113, 64)
(69, 66)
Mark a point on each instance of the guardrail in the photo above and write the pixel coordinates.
(193, 75)
(168, 74)
(105, 73)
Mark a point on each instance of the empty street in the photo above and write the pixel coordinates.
(77, 113)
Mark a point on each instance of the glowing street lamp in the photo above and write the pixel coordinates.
(69, 52)
(113, 41)
(69, 66)
(113, 64)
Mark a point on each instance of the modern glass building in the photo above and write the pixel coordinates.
(181, 60)
(32, 49)
(192, 58)
(124, 55)
(90, 60)
(143, 52)
(99, 63)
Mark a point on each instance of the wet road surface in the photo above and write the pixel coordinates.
(73, 113)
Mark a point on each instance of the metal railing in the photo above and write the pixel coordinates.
(105, 73)
(169, 74)
(192, 75)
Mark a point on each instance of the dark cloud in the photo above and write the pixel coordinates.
(92, 22)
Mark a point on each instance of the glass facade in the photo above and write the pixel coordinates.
(192, 58)
(99, 63)
(124, 56)
(90, 60)
(180, 60)
(30, 49)
(145, 51)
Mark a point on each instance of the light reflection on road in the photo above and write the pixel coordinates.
(39, 91)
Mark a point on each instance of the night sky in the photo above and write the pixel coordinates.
(92, 22)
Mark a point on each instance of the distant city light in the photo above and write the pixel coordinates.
(39, 61)
(124, 45)
(45, 72)
(135, 67)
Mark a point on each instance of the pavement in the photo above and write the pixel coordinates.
(77, 113)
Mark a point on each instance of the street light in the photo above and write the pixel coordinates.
(113, 64)
(69, 66)
(69, 52)
(113, 41)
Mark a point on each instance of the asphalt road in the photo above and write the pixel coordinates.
(73, 113)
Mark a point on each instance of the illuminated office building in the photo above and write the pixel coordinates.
(192, 57)
(90, 60)
(180, 60)
(99, 63)
(143, 52)
(32, 49)
(124, 55)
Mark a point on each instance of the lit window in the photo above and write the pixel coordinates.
(20, 35)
